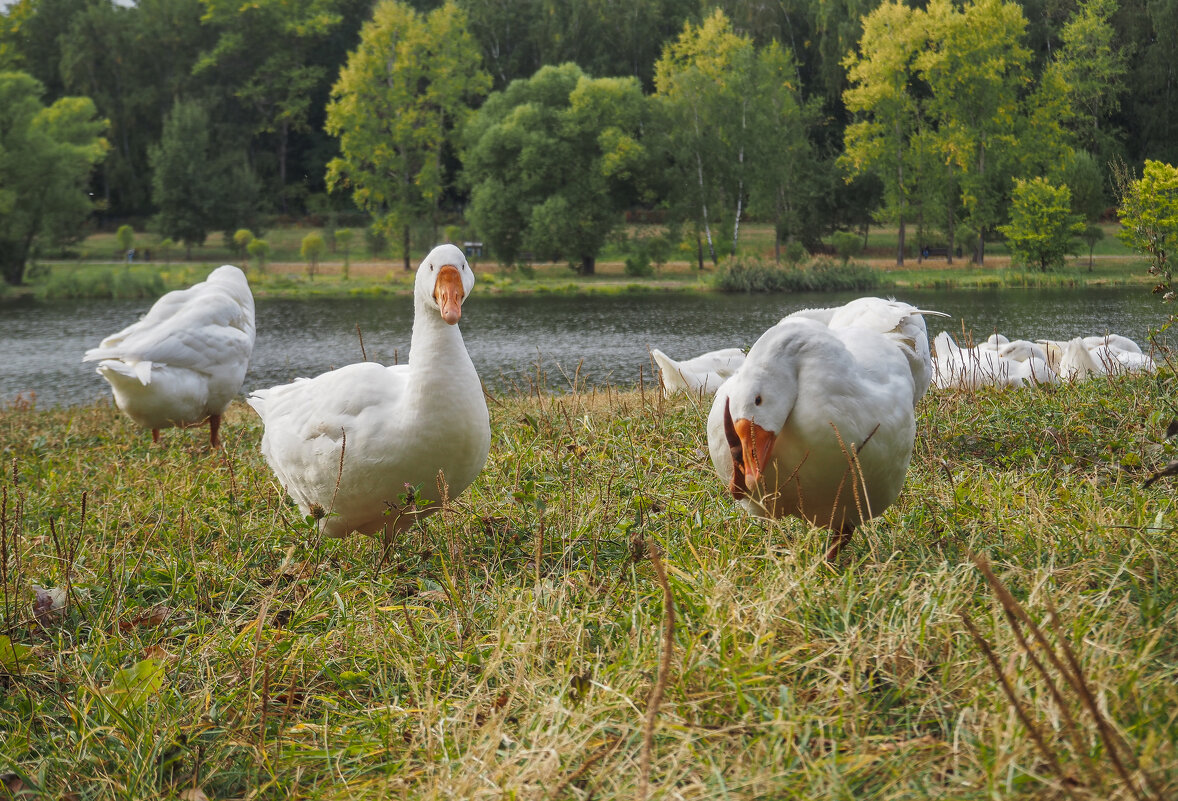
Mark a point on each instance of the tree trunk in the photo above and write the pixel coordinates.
(588, 265)
(405, 246)
(699, 248)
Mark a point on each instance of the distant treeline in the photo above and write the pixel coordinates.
(255, 81)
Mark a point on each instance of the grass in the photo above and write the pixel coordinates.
(190, 632)
(98, 271)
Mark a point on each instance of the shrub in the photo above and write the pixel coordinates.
(820, 275)
(846, 244)
(102, 284)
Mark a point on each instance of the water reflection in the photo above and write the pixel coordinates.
(513, 340)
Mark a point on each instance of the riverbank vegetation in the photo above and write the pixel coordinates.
(595, 611)
(706, 117)
(95, 273)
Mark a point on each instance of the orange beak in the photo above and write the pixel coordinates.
(751, 448)
(448, 293)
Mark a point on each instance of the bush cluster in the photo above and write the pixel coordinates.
(818, 275)
(102, 284)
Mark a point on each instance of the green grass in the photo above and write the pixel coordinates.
(99, 272)
(509, 647)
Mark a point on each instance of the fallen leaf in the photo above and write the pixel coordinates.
(49, 604)
(12, 786)
(134, 685)
(193, 794)
(12, 654)
(432, 595)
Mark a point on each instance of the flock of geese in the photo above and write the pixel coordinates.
(816, 421)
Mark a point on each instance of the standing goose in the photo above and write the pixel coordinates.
(365, 447)
(819, 421)
(184, 361)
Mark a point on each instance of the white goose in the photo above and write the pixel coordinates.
(818, 422)
(886, 317)
(998, 362)
(362, 447)
(699, 376)
(184, 361)
(1078, 358)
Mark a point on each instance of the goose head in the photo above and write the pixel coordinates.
(444, 280)
(760, 398)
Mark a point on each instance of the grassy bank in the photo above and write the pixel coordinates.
(95, 274)
(189, 631)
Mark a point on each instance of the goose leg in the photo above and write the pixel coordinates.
(841, 538)
(214, 429)
(155, 436)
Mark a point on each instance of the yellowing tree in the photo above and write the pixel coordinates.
(398, 101)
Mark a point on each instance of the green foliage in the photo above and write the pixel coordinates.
(46, 156)
(1149, 219)
(1042, 227)
(125, 236)
(553, 161)
(259, 251)
(394, 116)
(183, 184)
(312, 249)
(846, 244)
(91, 283)
(820, 275)
(242, 238)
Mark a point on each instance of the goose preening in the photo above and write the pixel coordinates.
(368, 448)
(1110, 354)
(886, 317)
(997, 362)
(701, 375)
(183, 361)
(819, 421)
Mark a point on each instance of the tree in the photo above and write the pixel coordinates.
(1149, 219)
(46, 156)
(264, 56)
(975, 67)
(312, 251)
(396, 106)
(241, 241)
(882, 75)
(183, 183)
(782, 178)
(343, 239)
(1093, 70)
(553, 161)
(125, 238)
(259, 251)
(1042, 226)
(704, 85)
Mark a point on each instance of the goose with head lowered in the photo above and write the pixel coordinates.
(368, 448)
(700, 375)
(819, 421)
(185, 360)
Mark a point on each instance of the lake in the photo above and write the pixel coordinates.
(518, 340)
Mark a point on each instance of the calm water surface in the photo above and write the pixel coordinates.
(516, 340)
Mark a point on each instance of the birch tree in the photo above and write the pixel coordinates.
(399, 101)
(704, 90)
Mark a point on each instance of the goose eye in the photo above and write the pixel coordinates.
(757, 400)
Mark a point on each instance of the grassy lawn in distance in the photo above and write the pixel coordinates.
(286, 274)
(191, 631)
